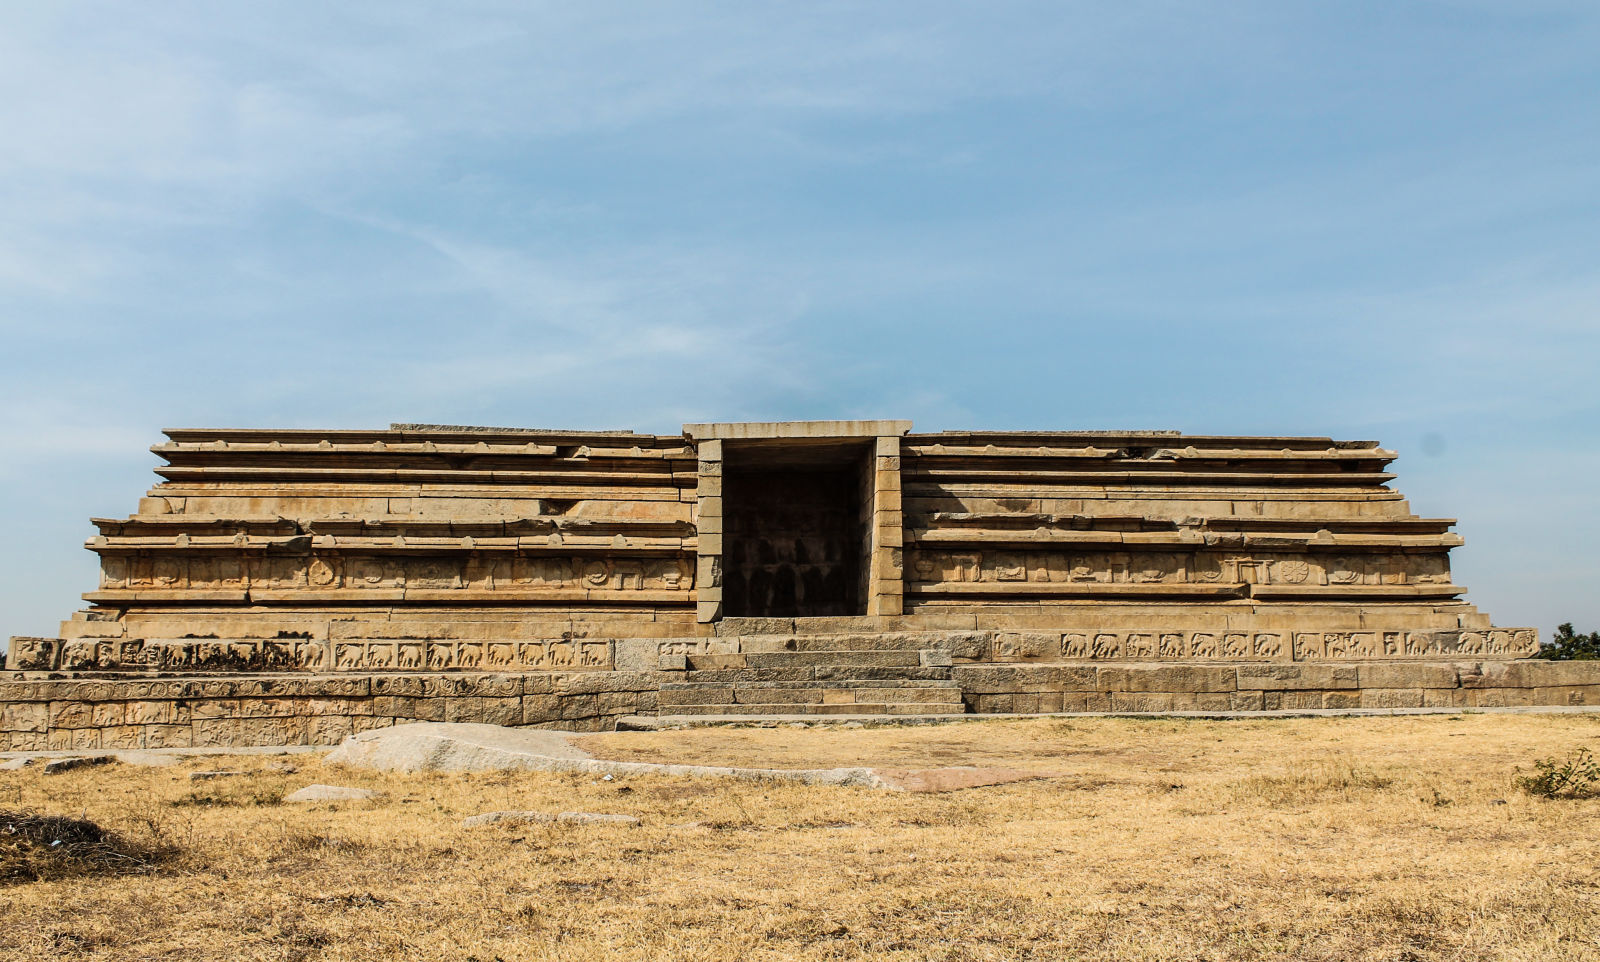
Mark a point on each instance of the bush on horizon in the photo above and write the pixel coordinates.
(1566, 645)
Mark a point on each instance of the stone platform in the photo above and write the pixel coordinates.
(281, 587)
(123, 712)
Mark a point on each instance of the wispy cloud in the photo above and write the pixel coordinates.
(1024, 214)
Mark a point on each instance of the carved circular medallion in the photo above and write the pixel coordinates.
(321, 573)
(168, 572)
(113, 572)
(1293, 572)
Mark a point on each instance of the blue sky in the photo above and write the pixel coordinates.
(1365, 220)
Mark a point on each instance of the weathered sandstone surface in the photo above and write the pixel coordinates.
(295, 587)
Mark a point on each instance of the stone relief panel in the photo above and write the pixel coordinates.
(437, 655)
(698, 646)
(177, 655)
(1325, 645)
(1170, 645)
(1175, 567)
(289, 654)
(329, 570)
(372, 572)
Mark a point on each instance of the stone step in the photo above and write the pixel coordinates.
(812, 684)
(807, 696)
(869, 673)
(883, 642)
(893, 642)
(898, 658)
(818, 695)
(784, 629)
(907, 708)
(728, 676)
(781, 658)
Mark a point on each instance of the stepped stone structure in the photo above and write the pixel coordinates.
(290, 586)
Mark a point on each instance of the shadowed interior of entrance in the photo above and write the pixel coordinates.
(794, 542)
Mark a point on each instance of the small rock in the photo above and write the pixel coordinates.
(206, 776)
(1498, 801)
(59, 765)
(330, 793)
(12, 764)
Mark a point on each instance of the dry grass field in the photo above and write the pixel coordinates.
(1339, 839)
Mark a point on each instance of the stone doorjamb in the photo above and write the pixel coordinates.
(885, 576)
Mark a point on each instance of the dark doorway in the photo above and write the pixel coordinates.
(794, 530)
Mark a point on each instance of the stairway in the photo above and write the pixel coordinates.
(817, 675)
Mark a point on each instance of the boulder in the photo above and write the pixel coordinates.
(58, 765)
(448, 747)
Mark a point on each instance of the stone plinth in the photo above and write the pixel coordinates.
(838, 564)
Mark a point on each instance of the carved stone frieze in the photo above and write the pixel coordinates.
(332, 570)
(296, 654)
(1334, 645)
(1169, 645)
(1261, 645)
(931, 567)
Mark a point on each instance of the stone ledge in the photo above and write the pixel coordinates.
(109, 712)
(660, 722)
(753, 430)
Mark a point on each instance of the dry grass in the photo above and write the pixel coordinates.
(36, 848)
(1337, 839)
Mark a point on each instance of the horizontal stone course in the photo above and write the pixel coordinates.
(302, 585)
(1529, 674)
(1293, 677)
(1174, 678)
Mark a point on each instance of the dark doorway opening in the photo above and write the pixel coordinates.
(795, 523)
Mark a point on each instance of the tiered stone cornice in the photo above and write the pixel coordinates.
(569, 577)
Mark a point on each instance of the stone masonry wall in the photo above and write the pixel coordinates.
(108, 713)
(63, 713)
(1277, 686)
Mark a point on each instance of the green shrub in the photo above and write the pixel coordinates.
(1567, 645)
(1576, 776)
